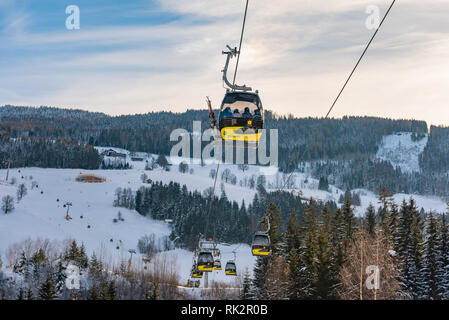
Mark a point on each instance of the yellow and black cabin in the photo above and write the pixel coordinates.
(231, 269)
(196, 273)
(241, 117)
(217, 264)
(261, 245)
(205, 261)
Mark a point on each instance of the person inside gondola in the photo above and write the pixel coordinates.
(257, 115)
(247, 114)
(226, 113)
(236, 114)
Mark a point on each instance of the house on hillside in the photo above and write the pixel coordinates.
(113, 153)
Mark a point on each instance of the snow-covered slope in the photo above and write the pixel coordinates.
(40, 214)
(402, 151)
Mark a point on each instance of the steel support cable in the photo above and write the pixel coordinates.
(211, 200)
(347, 81)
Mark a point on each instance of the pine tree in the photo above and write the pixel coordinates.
(326, 218)
(324, 282)
(370, 217)
(259, 276)
(323, 184)
(39, 257)
(60, 277)
(293, 233)
(83, 259)
(347, 195)
(22, 265)
(111, 290)
(277, 279)
(391, 230)
(299, 285)
(73, 253)
(310, 247)
(246, 293)
(20, 296)
(47, 290)
(95, 268)
(93, 292)
(356, 199)
(430, 260)
(443, 260)
(339, 238)
(29, 294)
(403, 230)
(385, 198)
(349, 219)
(138, 200)
(162, 161)
(410, 250)
(104, 293)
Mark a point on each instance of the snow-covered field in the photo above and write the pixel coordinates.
(40, 214)
(402, 151)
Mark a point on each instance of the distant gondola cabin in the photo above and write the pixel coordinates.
(231, 269)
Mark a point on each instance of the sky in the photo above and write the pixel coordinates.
(148, 55)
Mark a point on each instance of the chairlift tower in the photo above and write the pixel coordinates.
(68, 205)
(131, 251)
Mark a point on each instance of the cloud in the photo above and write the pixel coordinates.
(297, 54)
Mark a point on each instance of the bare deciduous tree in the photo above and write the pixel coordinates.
(21, 191)
(7, 204)
(370, 272)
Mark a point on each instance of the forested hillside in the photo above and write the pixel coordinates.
(435, 157)
(47, 153)
(342, 150)
(311, 138)
(229, 222)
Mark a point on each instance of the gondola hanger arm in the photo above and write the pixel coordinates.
(231, 53)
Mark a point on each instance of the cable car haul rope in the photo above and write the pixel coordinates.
(346, 82)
